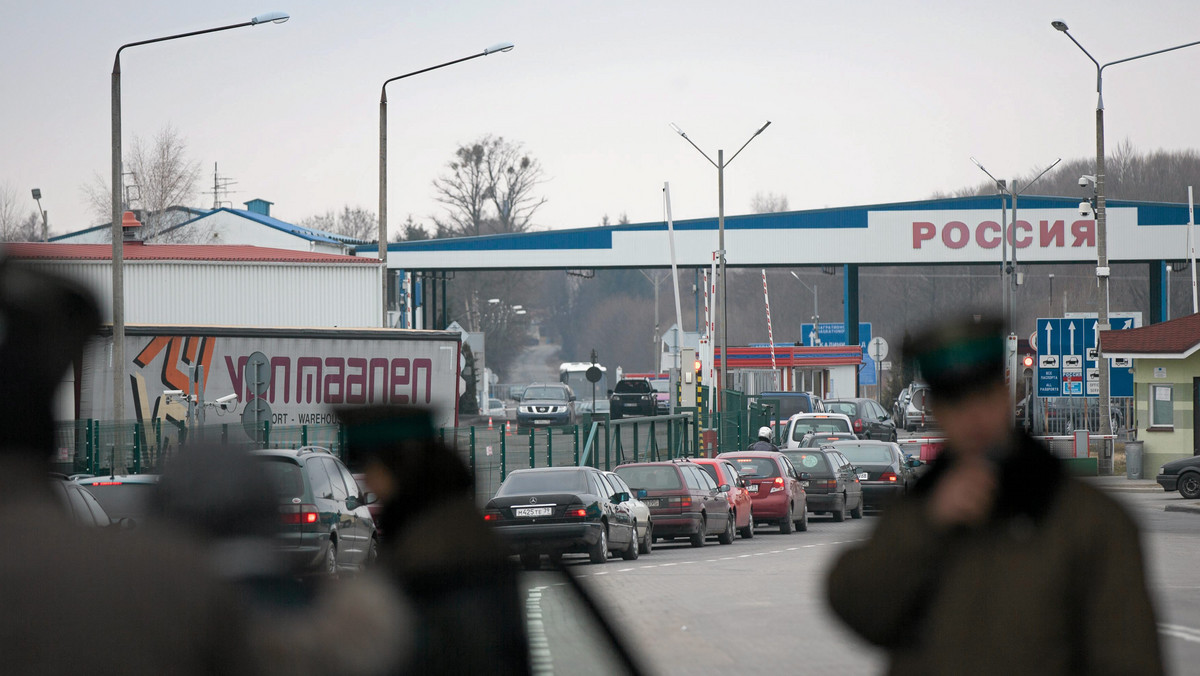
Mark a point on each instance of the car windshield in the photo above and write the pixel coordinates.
(754, 467)
(635, 386)
(287, 479)
(545, 393)
(789, 405)
(651, 477)
(122, 500)
(820, 425)
(808, 461)
(868, 454)
(556, 481)
(847, 407)
(660, 385)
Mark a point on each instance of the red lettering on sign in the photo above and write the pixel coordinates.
(278, 363)
(400, 377)
(922, 232)
(356, 380)
(335, 368)
(378, 365)
(1014, 235)
(982, 231)
(1084, 233)
(1051, 233)
(308, 378)
(956, 235)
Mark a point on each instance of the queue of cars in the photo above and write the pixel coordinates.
(555, 511)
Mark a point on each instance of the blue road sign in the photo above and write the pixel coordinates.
(834, 333)
(1049, 372)
(1120, 375)
(1067, 364)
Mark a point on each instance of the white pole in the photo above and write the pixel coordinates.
(770, 334)
(1192, 249)
(674, 270)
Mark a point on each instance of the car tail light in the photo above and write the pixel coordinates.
(677, 501)
(105, 483)
(492, 515)
(297, 515)
(858, 426)
(778, 481)
(578, 512)
(826, 483)
(888, 476)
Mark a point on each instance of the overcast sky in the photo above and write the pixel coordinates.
(871, 101)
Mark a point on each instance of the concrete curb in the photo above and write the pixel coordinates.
(1131, 489)
(1190, 506)
(1122, 485)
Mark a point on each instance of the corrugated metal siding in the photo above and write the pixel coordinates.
(234, 294)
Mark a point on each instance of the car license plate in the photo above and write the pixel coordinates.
(804, 484)
(862, 475)
(542, 421)
(653, 503)
(753, 488)
(534, 511)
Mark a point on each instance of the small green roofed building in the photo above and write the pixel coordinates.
(1165, 359)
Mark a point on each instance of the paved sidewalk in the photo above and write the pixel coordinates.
(1122, 485)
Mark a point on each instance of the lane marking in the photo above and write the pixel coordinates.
(1180, 632)
(540, 660)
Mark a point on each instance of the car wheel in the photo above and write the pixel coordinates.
(698, 537)
(895, 435)
(372, 554)
(786, 526)
(726, 536)
(331, 561)
(531, 561)
(802, 524)
(748, 531)
(647, 544)
(1189, 485)
(857, 512)
(631, 552)
(839, 514)
(599, 551)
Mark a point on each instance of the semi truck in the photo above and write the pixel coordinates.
(241, 378)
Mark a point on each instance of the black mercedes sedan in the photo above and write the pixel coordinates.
(561, 510)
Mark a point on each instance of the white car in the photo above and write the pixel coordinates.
(494, 407)
(803, 423)
(639, 510)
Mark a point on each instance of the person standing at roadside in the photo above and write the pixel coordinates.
(997, 562)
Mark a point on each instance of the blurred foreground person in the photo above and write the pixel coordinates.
(79, 600)
(467, 613)
(997, 562)
(224, 497)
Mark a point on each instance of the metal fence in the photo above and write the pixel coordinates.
(1055, 416)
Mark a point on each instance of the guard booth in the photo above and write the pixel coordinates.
(828, 371)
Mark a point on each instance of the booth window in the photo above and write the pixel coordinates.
(1162, 407)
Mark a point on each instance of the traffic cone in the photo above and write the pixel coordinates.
(507, 428)
(489, 423)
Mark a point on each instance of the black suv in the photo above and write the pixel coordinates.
(325, 526)
(633, 396)
(868, 418)
(834, 484)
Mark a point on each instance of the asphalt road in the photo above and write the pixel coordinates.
(758, 606)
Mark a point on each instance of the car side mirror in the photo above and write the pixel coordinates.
(642, 493)
(618, 498)
(571, 398)
(352, 502)
(805, 476)
(914, 463)
(723, 488)
(369, 498)
(741, 482)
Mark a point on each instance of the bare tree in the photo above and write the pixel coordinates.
(768, 203)
(489, 188)
(161, 176)
(411, 231)
(355, 222)
(17, 225)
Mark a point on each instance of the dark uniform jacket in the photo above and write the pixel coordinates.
(1053, 583)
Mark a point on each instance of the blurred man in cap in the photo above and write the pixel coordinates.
(79, 600)
(454, 572)
(997, 562)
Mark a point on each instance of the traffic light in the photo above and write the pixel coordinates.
(1027, 363)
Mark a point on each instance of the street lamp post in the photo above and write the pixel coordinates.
(1008, 297)
(118, 253)
(501, 47)
(720, 164)
(816, 338)
(1102, 268)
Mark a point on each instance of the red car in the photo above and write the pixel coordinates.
(723, 473)
(775, 490)
(683, 499)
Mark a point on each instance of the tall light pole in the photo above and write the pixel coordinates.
(720, 164)
(37, 196)
(501, 47)
(1009, 290)
(1102, 269)
(118, 252)
(816, 337)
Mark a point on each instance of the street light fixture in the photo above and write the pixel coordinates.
(499, 47)
(816, 337)
(1102, 267)
(1008, 289)
(118, 253)
(720, 164)
(37, 197)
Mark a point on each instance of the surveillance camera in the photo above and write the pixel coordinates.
(1083, 181)
(227, 402)
(172, 393)
(1085, 208)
